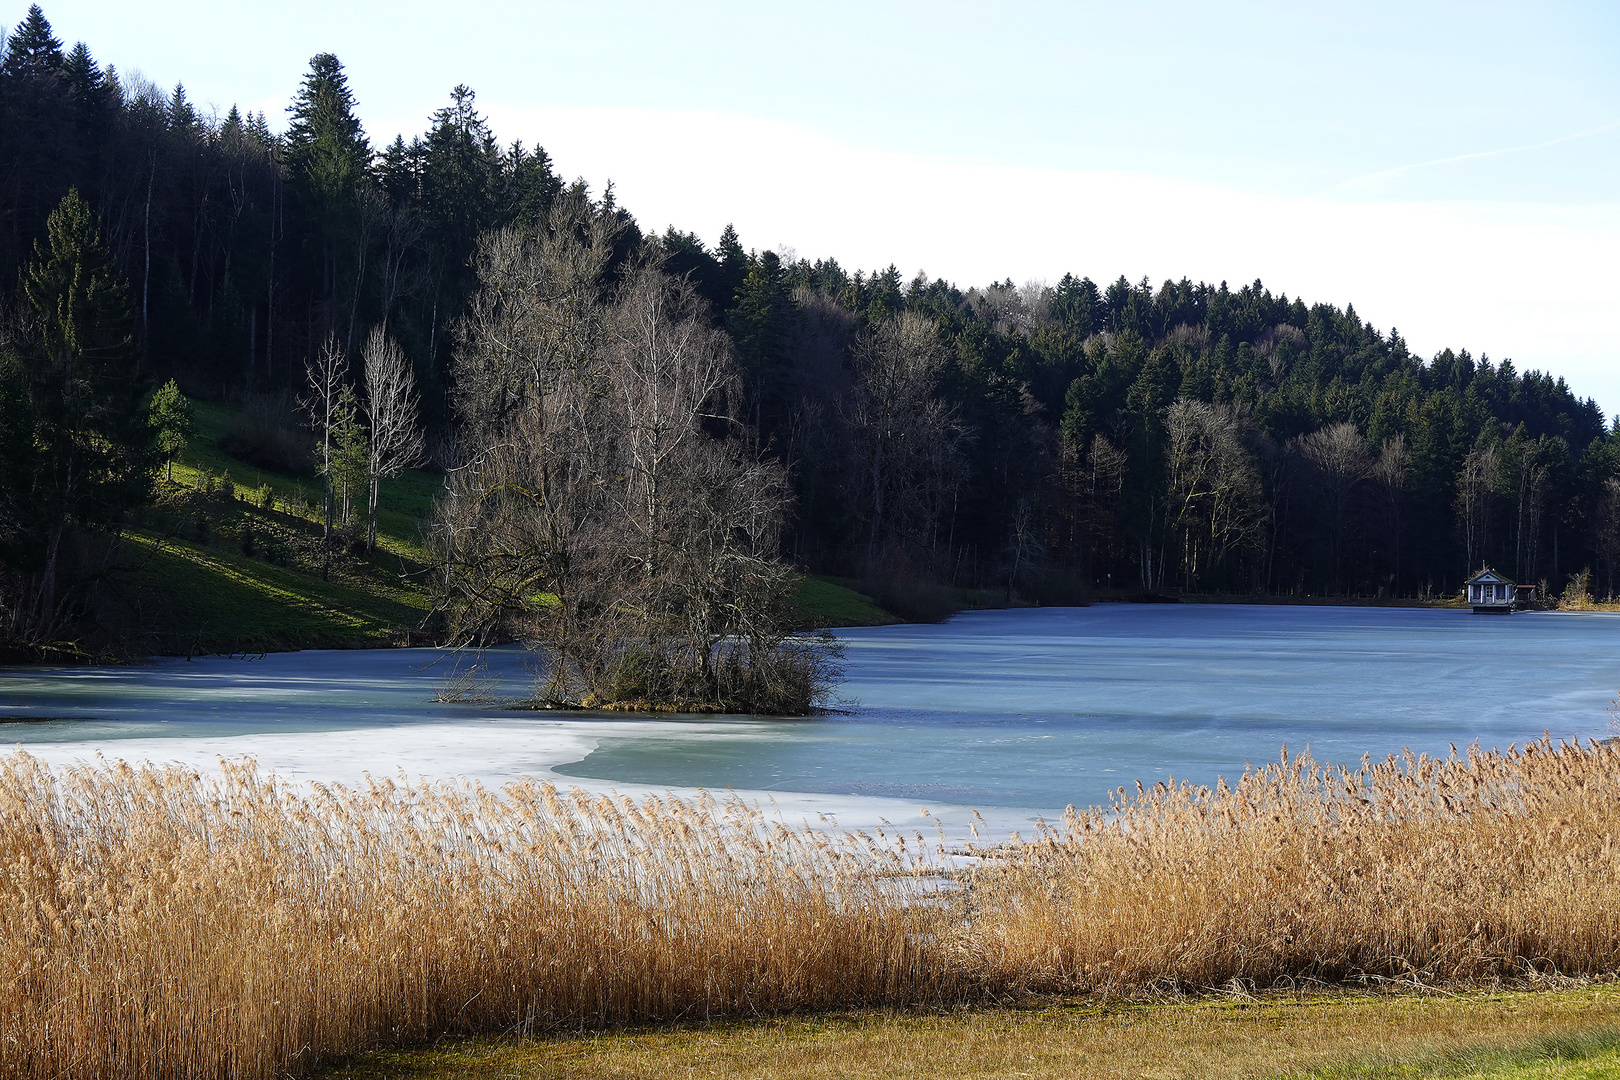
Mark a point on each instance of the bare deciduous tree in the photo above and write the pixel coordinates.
(391, 412)
(1213, 491)
(1608, 531)
(608, 509)
(905, 439)
(1340, 455)
(1390, 471)
(325, 379)
(1475, 486)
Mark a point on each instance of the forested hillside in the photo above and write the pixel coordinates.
(1047, 439)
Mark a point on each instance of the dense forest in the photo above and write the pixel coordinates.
(1050, 441)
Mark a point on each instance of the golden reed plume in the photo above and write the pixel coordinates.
(158, 921)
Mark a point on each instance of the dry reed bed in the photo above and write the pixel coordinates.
(1475, 866)
(155, 921)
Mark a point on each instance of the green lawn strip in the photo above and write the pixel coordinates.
(1559, 1035)
(823, 601)
(207, 600)
(1564, 1056)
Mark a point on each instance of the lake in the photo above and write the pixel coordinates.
(1015, 713)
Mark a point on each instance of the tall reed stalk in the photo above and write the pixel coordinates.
(1475, 866)
(160, 922)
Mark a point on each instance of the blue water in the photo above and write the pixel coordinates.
(1061, 705)
(1031, 708)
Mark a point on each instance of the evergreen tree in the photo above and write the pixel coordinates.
(733, 266)
(685, 256)
(39, 146)
(90, 89)
(169, 416)
(329, 157)
(350, 455)
(757, 324)
(399, 170)
(460, 173)
(326, 144)
(32, 51)
(530, 187)
(78, 361)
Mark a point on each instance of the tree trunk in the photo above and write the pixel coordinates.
(371, 515)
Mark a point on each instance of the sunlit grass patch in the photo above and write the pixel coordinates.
(1558, 1035)
(1573, 1055)
(223, 569)
(403, 501)
(821, 601)
(203, 599)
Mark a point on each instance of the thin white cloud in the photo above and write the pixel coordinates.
(1376, 179)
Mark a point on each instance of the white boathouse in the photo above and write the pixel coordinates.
(1490, 592)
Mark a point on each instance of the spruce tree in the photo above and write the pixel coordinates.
(460, 170)
(78, 361)
(733, 265)
(325, 141)
(32, 51)
(531, 187)
(169, 416)
(329, 157)
(757, 324)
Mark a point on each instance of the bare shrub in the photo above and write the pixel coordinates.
(469, 684)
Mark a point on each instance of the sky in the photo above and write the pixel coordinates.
(1450, 169)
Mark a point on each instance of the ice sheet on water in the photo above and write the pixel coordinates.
(1017, 712)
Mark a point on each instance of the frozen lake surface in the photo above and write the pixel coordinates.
(1016, 713)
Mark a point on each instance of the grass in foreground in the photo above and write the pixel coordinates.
(1562, 1034)
(158, 922)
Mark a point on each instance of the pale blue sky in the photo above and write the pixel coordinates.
(1449, 168)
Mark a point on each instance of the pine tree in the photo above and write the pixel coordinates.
(169, 416)
(399, 170)
(88, 85)
(350, 455)
(40, 150)
(460, 169)
(329, 157)
(325, 141)
(733, 266)
(79, 363)
(31, 50)
(531, 187)
(182, 115)
(757, 324)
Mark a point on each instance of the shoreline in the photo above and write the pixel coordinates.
(68, 655)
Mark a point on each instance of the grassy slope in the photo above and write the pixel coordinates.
(191, 596)
(1557, 1035)
(203, 599)
(823, 601)
(195, 597)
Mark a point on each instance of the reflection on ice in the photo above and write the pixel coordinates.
(1016, 712)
